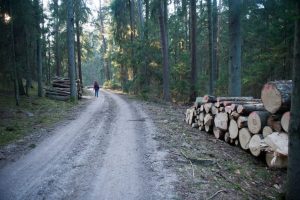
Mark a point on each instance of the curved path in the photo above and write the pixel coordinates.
(106, 153)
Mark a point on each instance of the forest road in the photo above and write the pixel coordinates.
(107, 152)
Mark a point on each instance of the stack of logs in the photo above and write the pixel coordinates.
(60, 89)
(256, 125)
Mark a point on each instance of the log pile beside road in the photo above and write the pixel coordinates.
(259, 126)
(60, 89)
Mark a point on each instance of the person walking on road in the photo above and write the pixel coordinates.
(96, 88)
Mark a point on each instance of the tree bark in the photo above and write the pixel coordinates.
(15, 68)
(210, 46)
(293, 182)
(78, 49)
(71, 52)
(56, 32)
(235, 48)
(164, 42)
(248, 108)
(193, 50)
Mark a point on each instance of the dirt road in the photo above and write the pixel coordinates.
(107, 152)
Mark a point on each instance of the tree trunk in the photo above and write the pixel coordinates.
(71, 56)
(293, 183)
(39, 63)
(235, 48)
(15, 68)
(56, 32)
(276, 96)
(28, 67)
(193, 50)
(210, 46)
(78, 49)
(164, 42)
(104, 43)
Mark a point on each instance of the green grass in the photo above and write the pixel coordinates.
(32, 114)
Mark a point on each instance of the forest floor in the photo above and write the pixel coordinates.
(194, 163)
(208, 168)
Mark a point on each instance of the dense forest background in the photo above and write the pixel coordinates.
(175, 49)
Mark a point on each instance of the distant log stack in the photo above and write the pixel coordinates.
(60, 89)
(259, 126)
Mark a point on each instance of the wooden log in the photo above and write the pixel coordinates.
(208, 119)
(274, 122)
(235, 115)
(242, 122)
(267, 130)
(202, 108)
(244, 138)
(218, 133)
(221, 121)
(255, 145)
(233, 129)
(274, 160)
(214, 110)
(276, 96)
(195, 125)
(201, 116)
(207, 128)
(285, 121)
(226, 137)
(61, 85)
(234, 99)
(277, 142)
(228, 109)
(209, 99)
(248, 108)
(198, 102)
(257, 120)
(201, 126)
(207, 107)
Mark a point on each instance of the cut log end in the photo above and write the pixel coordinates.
(276, 95)
(244, 138)
(255, 145)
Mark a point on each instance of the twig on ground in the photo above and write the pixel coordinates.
(215, 194)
